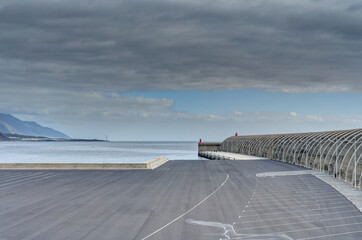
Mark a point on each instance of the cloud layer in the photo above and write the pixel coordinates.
(289, 46)
(71, 62)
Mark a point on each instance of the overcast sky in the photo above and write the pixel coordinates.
(182, 69)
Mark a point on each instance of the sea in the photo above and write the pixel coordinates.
(95, 152)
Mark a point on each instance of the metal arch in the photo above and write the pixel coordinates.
(252, 141)
(359, 133)
(354, 155)
(264, 147)
(310, 145)
(240, 143)
(292, 146)
(325, 145)
(360, 177)
(243, 143)
(276, 148)
(290, 141)
(281, 145)
(253, 144)
(268, 145)
(246, 146)
(341, 146)
(260, 145)
(339, 142)
(273, 143)
(349, 149)
(303, 146)
(285, 145)
(311, 149)
(318, 149)
(257, 144)
(286, 154)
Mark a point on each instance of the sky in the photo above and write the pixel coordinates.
(182, 69)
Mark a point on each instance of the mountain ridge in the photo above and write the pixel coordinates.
(12, 125)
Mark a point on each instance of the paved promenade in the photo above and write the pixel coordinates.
(179, 200)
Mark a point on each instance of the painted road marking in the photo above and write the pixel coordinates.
(309, 215)
(324, 227)
(310, 207)
(300, 200)
(331, 235)
(227, 177)
(287, 224)
(291, 196)
(303, 194)
(256, 215)
(303, 205)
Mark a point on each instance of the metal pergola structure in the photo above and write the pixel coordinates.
(338, 153)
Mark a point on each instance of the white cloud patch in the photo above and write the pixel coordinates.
(123, 117)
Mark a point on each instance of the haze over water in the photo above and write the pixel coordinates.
(95, 152)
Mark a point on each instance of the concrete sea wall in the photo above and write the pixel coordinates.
(149, 165)
(209, 147)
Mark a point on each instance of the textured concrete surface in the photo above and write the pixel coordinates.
(151, 164)
(179, 200)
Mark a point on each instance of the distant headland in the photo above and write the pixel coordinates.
(14, 129)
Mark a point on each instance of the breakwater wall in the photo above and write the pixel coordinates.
(149, 165)
(209, 147)
(338, 153)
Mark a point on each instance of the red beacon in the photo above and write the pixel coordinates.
(236, 134)
(200, 141)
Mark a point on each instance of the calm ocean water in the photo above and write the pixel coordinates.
(95, 152)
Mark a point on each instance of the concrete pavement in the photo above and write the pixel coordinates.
(179, 200)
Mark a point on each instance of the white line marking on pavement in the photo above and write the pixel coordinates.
(316, 228)
(308, 207)
(227, 177)
(303, 210)
(331, 235)
(302, 216)
(294, 223)
(344, 201)
(277, 197)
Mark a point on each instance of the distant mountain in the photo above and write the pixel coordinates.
(13, 125)
(3, 137)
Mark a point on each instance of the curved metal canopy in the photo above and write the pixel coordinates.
(338, 153)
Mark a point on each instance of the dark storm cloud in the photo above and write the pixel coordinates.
(291, 46)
